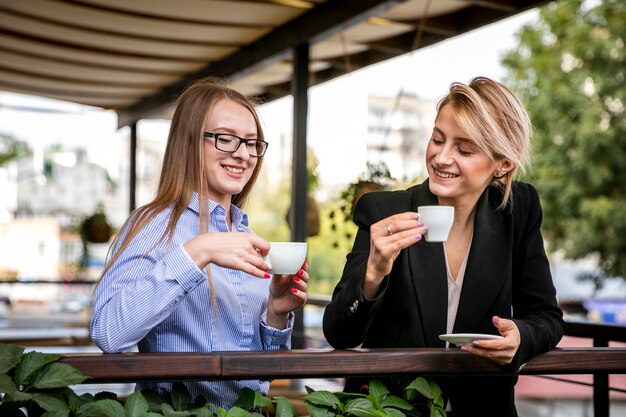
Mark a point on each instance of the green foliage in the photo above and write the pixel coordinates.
(570, 71)
(11, 148)
(36, 384)
(421, 398)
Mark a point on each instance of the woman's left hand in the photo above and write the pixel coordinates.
(500, 351)
(287, 293)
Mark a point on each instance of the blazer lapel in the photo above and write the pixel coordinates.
(486, 268)
(427, 269)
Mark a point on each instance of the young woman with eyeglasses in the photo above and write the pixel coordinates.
(185, 273)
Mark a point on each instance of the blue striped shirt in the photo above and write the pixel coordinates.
(160, 301)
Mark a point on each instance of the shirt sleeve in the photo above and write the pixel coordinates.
(273, 338)
(141, 289)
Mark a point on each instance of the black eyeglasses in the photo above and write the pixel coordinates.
(230, 143)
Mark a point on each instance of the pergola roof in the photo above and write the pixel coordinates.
(136, 56)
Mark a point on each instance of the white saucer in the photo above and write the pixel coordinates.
(460, 339)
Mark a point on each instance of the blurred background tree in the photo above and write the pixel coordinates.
(11, 148)
(569, 70)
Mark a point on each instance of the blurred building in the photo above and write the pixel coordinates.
(398, 129)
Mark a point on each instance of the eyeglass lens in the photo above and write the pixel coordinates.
(230, 143)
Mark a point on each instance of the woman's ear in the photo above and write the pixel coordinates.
(503, 168)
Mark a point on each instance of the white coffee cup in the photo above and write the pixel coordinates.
(286, 258)
(438, 219)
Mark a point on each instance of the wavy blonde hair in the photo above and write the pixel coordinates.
(494, 117)
(182, 171)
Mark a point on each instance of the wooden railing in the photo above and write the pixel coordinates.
(599, 361)
(307, 363)
(295, 364)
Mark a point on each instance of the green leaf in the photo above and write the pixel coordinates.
(378, 390)
(237, 412)
(322, 398)
(49, 401)
(6, 384)
(365, 412)
(57, 413)
(437, 412)
(181, 399)
(246, 398)
(169, 411)
(102, 408)
(75, 401)
(154, 400)
(136, 405)
(56, 374)
(315, 411)
(31, 363)
(204, 412)
(284, 407)
(10, 357)
(396, 402)
(153, 414)
(260, 400)
(394, 412)
(421, 385)
(17, 396)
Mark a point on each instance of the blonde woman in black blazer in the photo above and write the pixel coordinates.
(394, 287)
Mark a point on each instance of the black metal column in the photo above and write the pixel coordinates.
(601, 402)
(132, 174)
(298, 226)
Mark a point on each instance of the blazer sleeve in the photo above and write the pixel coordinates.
(349, 315)
(535, 308)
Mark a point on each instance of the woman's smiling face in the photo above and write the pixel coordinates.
(227, 173)
(458, 170)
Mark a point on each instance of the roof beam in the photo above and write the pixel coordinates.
(321, 22)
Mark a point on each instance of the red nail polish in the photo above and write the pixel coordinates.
(304, 264)
(297, 279)
(301, 272)
(293, 290)
(268, 276)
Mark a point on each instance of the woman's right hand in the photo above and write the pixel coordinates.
(387, 238)
(234, 250)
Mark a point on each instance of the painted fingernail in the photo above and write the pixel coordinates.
(301, 272)
(268, 276)
(297, 279)
(304, 264)
(476, 343)
(293, 290)
(463, 347)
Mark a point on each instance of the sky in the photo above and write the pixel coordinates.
(336, 109)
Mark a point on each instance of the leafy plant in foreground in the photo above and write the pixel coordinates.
(36, 384)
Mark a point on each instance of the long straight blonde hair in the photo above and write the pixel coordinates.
(182, 172)
(494, 117)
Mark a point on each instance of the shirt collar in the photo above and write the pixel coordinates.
(237, 215)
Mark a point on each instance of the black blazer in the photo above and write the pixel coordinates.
(507, 274)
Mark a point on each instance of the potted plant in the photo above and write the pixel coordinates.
(376, 178)
(94, 228)
(36, 384)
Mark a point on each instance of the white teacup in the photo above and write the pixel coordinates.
(438, 219)
(286, 258)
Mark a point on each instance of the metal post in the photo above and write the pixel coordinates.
(600, 386)
(133, 168)
(300, 85)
